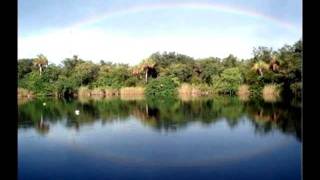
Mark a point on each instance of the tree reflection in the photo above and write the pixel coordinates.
(163, 115)
(42, 127)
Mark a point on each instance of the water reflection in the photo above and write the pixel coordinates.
(167, 116)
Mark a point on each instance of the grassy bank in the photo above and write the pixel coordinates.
(244, 92)
(24, 93)
(109, 92)
(185, 91)
(194, 90)
(271, 93)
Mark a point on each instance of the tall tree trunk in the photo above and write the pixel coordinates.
(40, 69)
(260, 72)
(146, 75)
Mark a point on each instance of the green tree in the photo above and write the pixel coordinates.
(70, 63)
(85, 73)
(230, 61)
(24, 67)
(40, 61)
(229, 81)
(262, 54)
(115, 76)
(207, 69)
(182, 71)
(283, 67)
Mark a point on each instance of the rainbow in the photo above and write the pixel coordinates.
(185, 5)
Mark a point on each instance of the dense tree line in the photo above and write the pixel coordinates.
(282, 67)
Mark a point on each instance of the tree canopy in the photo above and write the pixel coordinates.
(282, 66)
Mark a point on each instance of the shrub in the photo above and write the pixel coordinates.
(256, 90)
(228, 82)
(65, 86)
(162, 87)
(132, 81)
(37, 84)
(196, 80)
(204, 89)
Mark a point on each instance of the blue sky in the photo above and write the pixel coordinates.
(128, 31)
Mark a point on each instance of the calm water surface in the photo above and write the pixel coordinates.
(221, 138)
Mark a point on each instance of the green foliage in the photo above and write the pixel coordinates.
(132, 82)
(221, 75)
(25, 66)
(296, 88)
(228, 82)
(256, 89)
(51, 74)
(166, 59)
(85, 73)
(71, 63)
(36, 83)
(163, 87)
(262, 53)
(206, 69)
(230, 61)
(196, 80)
(65, 85)
(182, 72)
(115, 77)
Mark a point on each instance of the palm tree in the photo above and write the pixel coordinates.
(40, 61)
(274, 65)
(260, 66)
(146, 66)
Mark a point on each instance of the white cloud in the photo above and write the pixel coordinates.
(97, 44)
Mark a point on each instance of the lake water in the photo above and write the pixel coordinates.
(221, 138)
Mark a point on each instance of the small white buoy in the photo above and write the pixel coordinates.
(44, 104)
(77, 112)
